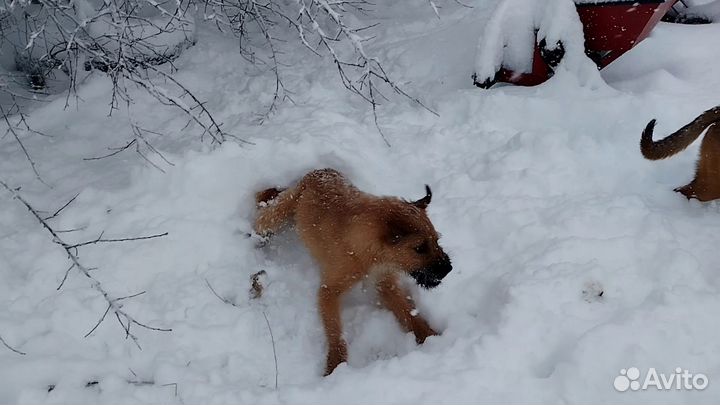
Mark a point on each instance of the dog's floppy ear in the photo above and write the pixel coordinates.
(425, 201)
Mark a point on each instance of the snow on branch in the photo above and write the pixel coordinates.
(114, 304)
(321, 26)
(135, 42)
(117, 38)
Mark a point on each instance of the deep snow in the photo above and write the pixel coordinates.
(540, 194)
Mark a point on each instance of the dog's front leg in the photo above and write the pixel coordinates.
(329, 304)
(397, 300)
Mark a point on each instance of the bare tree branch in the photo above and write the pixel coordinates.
(100, 240)
(135, 50)
(224, 300)
(11, 129)
(272, 340)
(114, 152)
(113, 303)
(10, 347)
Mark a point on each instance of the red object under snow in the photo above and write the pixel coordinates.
(611, 29)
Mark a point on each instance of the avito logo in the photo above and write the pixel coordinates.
(630, 379)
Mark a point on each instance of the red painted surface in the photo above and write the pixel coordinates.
(614, 28)
(540, 72)
(611, 29)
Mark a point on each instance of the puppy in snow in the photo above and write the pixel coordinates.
(355, 236)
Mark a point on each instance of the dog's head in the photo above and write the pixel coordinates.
(410, 242)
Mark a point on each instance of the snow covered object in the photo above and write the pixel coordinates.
(691, 13)
(526, 40)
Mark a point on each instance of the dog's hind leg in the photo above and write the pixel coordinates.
(706, 184)
(398, 301)
(329, 305)
(276, 209)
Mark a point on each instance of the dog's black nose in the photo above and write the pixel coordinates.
(425, 279)
(442, 267)
(430, 277)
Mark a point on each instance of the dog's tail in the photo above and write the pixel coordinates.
(680, 139)
(262, 198)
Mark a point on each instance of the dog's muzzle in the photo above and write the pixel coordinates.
(431, 276)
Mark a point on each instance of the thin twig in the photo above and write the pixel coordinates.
(100, 240)
(62, 208)
(102, 318)
(65, 276)
(114, 152)
(225, 300)
(272, 339)
(375, 117)
(10, 347)
(169, 384)
(11, 129)
(130, 296)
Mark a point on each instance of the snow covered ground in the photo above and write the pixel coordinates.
(541, 195)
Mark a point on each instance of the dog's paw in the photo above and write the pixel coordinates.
(257, 284)
(335, 357)
(260, 240)
(421, 334)
(329, 368)
(687, 190)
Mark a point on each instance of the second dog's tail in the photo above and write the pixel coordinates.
(680, 139)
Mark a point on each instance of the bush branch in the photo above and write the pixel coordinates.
(125, 319)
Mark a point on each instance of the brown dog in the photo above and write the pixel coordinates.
(706, 184)
(355, 236)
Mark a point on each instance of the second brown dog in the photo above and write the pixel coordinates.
(355, 236)
(706, 184)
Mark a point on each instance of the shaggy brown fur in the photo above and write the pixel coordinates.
(355, 236)
(706, 184)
